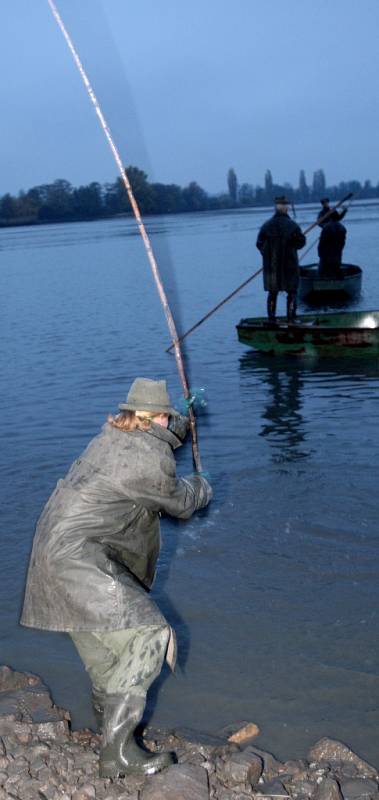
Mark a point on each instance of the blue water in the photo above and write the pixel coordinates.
(273, 590)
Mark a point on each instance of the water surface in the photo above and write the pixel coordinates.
(273, 590)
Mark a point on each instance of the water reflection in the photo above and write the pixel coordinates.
(281, 420)
(294, 399)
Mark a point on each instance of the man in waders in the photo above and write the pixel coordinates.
(93, 562)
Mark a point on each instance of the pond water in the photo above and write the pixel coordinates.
(273, 590)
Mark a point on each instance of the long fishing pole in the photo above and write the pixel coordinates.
(254, 275)
(142, 230)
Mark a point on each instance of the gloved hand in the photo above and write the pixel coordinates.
(203, 489)
(179, 425)
(196, 399)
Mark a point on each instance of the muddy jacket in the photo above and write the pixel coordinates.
(98, 538)
(278, 241)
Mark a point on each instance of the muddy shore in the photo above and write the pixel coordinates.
(42, 759)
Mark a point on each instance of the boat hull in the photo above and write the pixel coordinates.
(354, 334)
(317, 291)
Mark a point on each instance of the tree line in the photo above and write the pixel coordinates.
(61, 202)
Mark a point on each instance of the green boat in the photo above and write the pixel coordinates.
(347, 333)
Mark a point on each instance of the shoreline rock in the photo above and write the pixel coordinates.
(42, 759)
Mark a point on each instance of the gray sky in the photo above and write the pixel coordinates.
(191, 88)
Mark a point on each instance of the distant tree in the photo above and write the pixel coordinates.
(87, 201)
(141, 189)
(8, 207)
(195, 198)
(246, 195)
(167, 199)
(58, 202)
(115, 198)
(303, 191)
(269, 186)
(318, 185)
(232, 185)
(368, 190)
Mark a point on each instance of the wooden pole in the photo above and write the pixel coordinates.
(142, 230)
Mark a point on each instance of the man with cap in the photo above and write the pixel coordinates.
(338, 215)
(93, 562)
(278, 240)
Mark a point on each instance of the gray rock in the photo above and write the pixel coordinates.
(333, 751)
(271, 766)
(273, 788)
(328, 789)
(303, 788)
(179, 782)
(359, 787)
(196, 737)
(48, 791)
(294, 767)
(240, 768)
(86, 792)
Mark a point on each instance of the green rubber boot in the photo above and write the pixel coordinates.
(120, 753)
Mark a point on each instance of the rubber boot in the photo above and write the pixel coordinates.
(271, 307)
(120, 754)
(291, 308)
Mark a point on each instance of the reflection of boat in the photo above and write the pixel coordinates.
(347, 333)
(314, 289)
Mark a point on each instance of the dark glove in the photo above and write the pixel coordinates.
(179, 425)
(203, 489)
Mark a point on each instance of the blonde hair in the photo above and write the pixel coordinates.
(133, 420)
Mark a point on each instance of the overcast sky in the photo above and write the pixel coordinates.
(191, 88)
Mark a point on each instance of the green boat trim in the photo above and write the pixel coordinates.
(348, 333)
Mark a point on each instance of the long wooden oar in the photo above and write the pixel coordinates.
(251, 278)
(142, 230)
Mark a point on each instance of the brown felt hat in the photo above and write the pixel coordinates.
(148, 395)
(282, 200)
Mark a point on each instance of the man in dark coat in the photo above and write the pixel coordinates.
(94, 558)
(339, 215)
(278, 240)
(330, 247)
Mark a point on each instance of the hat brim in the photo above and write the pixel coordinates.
(148, 407)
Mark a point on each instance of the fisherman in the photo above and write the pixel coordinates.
(325, 210)
(93, 563)
(330, 247)
(278, 240)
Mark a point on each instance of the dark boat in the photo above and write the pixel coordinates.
(348, 333)
(318, 291)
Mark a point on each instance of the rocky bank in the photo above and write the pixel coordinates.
(42, 759)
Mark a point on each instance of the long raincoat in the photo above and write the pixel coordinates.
(278, 240)
(98, 538)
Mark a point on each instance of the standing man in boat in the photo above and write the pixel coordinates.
(278, 240)
(93, 563)
(326, 209)
(330, 246)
